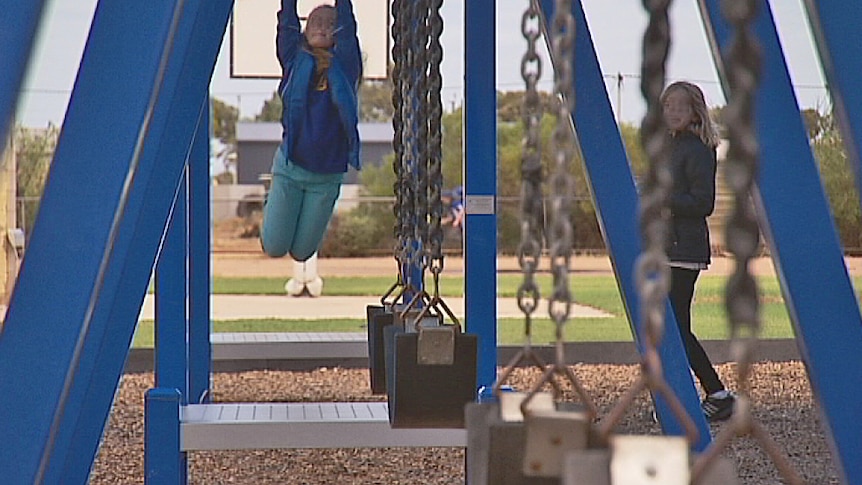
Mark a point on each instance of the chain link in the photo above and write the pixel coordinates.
(561, 184)
(398, 129)
(742, 233)
(530, 246)
(420, 130)
(435, 144)
(562, 34)
(408, 162)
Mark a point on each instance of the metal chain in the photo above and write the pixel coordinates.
(561, 183)
(419, 127)
(742, 234)
(398, 129)
(530, 247)
(408, 172)
(562, 189)
(435, 144)
(652, 271)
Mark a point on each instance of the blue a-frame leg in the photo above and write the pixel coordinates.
(118, 162)
(616, 201)
(796, 220)
(480, 183)
(18, 26)
(838, 39)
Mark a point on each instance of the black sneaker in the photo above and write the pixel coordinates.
(718, 408)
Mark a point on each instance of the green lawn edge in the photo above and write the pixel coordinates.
(597, 291)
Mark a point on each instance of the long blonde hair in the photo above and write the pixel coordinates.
(703, 127)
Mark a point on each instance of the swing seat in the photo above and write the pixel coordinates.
(425, 390)
(378, 317)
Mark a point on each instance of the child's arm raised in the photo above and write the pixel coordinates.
(288, 36)
(346, 41)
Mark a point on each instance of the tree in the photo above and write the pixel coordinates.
(224, 118)
(375, 101)
(510, 105)
(271, 110)
(34, 150)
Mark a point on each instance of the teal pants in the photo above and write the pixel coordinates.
(297, 209)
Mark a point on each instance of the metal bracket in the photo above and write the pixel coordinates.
(510, 405)
(436, 345)
(649, 460)
(550, 435)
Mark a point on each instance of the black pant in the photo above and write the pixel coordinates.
(681, 294)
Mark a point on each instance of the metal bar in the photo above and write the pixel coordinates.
(171, 299)
(810, 265)
(616, 201)
(162, 436)
(47, 313)
(839, 44)
(480, 183)
(18, 27)
(199, 350)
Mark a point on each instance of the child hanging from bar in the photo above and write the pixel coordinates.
(321, 71)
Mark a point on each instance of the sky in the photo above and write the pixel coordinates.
(617, 27)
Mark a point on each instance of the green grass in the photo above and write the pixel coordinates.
(596, 291)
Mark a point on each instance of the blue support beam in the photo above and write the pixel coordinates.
(802, 238)
(480, 183)
(839, 42)
(18, 26)
(616, 200)
(64, 343)
(171, 358)
(199, 348)
(162, 426)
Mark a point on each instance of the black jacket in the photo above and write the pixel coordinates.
(693, 165)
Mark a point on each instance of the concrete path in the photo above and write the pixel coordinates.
(235, 307)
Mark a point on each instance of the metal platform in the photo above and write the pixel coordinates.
(303, 425)
(289, 345)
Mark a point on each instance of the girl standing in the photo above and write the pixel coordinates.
(693, 140)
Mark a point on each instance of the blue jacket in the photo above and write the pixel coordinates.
(297, 65)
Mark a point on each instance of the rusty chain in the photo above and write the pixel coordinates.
(397, 140)
(435, 141)
(530, 246)
(560, 235)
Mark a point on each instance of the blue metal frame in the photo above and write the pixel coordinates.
(47, 314)
(18, 26)
(480, 179)
(839, 42)
(163, 464)
(810, 263)
(616, 201)
(171, 360)
(199, 347)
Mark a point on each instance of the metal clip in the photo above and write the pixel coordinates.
(510, 405)
(550, 435)
(436, 345)
(649, 460)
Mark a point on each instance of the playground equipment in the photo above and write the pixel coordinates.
(63, 346)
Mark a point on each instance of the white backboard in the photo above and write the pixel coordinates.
(252, 36)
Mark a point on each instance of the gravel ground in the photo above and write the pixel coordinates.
(780, 390)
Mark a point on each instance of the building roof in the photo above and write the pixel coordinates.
(255, 131)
